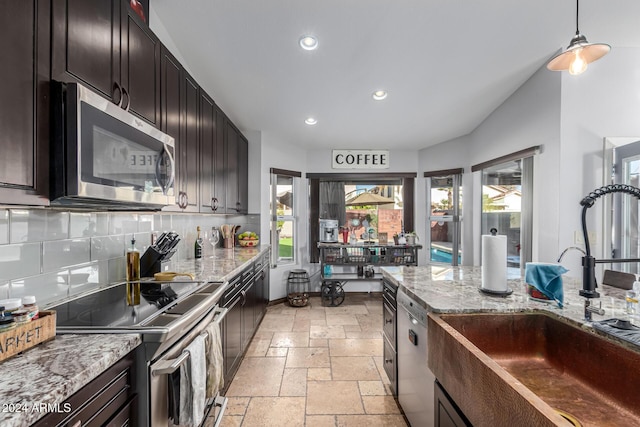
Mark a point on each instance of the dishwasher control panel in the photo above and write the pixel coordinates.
(414, 308)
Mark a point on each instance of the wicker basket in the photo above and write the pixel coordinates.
(27, 335)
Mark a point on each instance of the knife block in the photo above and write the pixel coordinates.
(153, 261)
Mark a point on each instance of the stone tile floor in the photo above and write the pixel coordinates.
(315, 366)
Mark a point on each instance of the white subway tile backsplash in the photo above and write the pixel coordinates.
(64, 253)
(4, 226)
(145, 222)
(117, 270)
(87, 277)
(19, 260)
(107, 247)
(53, 254)
(46, 287)
(38, 225)
(4, 290)
(84, 224)
(123, 223)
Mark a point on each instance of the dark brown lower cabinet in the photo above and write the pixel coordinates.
(108, 400)
(447, 413)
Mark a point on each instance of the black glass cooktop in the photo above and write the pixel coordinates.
(108, 307)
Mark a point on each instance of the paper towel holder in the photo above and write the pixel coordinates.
(493, 231)
(491, 292)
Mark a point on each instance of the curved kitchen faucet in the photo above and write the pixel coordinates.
(588, 261)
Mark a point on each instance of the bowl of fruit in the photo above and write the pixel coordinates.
(248, 239)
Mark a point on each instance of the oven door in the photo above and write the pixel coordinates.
(171, 361)
(109, 154)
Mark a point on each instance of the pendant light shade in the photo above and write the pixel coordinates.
(578, 54)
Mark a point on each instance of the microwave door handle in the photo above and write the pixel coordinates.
(165, 186)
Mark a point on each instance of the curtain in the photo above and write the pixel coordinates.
(332, 201)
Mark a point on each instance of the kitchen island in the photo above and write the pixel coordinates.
(476, 351)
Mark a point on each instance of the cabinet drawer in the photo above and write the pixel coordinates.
(104, 405)
(99, 400)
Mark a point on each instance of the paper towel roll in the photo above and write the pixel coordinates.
(494, 263)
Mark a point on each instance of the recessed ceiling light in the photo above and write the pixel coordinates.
(308, 42)
(310, 121)
(379, 95)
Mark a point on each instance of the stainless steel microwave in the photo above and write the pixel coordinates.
(104, 157)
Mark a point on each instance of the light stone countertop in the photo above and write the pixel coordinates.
(441, 288)
(223, 266)
(51, 372)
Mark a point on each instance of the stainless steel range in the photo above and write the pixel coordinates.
(169, 317)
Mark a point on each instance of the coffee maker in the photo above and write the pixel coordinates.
(329, 230)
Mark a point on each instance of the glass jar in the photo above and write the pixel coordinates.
(29, 304)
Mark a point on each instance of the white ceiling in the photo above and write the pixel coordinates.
(447, 64)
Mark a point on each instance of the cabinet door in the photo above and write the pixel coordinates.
(171, 97)
(232, 339)
(243, 173)
(208, 202)
(140, 67)
(220, 162)
(231, 137)
(24, 110)
(190, 147)
(86, 45)
(248, 312)
(447, 413)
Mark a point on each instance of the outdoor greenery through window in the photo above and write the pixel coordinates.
(283, 223)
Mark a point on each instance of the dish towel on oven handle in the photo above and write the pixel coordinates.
(193, 385)
(215, 377)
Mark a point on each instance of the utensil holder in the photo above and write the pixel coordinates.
(228, 243)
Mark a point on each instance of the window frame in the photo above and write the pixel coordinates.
(275, 218)
(408, 196)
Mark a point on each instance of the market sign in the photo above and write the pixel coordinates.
(360, 159)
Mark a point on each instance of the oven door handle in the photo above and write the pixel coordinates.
(219, 315)
(166, 367)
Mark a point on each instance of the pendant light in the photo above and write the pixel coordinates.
(578, 54)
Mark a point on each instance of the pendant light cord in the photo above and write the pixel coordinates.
(577, 8)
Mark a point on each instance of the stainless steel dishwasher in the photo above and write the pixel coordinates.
(415, 379)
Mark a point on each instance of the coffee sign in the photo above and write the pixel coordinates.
(360, 159)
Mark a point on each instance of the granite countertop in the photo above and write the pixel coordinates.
(51, 372)
(441, 288)
(222, 266)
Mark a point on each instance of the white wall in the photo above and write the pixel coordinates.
(602, 102)
(569, 116)
(529, 117)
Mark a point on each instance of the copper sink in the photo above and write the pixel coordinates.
(526, 368)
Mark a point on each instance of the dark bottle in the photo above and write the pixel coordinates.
(198, 245)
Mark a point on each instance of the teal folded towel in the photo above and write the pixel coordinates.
(547, 278)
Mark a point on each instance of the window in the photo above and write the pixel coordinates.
(370, 206)
(507, 195)
(283, 216)
(445, 204)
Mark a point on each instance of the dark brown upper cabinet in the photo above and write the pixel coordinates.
(179, 105)
(105, 45)
(212, 178)
(24, 111)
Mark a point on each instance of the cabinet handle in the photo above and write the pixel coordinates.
(388, 321)
(244, 296)
(214, 204)
(183, 200)
(388, 360)
(125, 93)
(116, 99)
